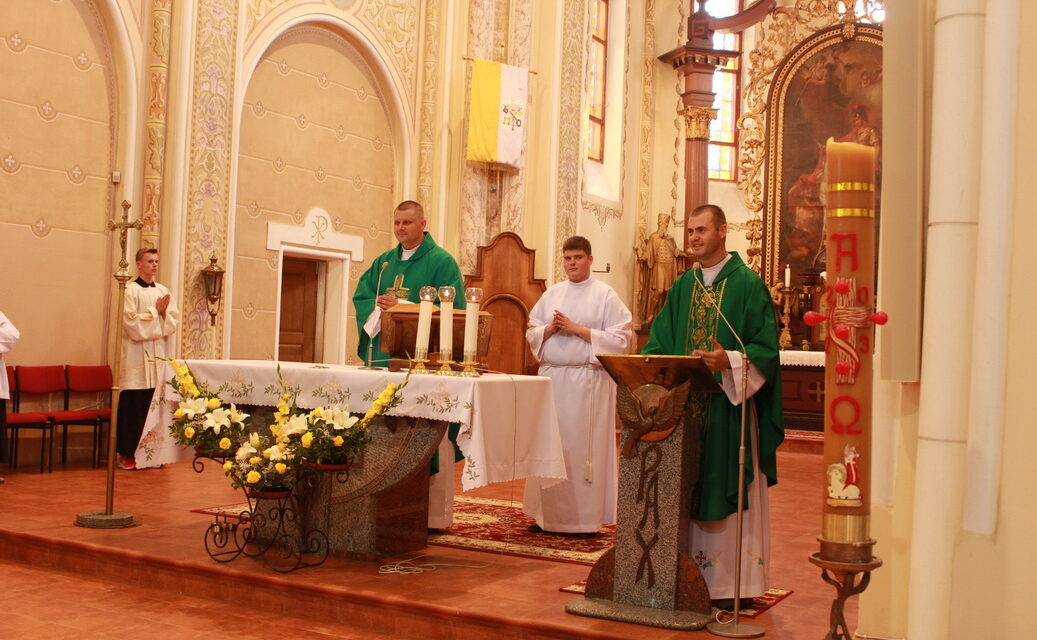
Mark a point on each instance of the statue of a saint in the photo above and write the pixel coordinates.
(657, 256)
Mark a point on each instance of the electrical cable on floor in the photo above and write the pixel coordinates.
(405, 567)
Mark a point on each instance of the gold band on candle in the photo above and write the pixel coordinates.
(851, 213)
(851, 186)
(845, 528)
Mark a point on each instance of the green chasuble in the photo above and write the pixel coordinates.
(431, 265)
(687, 322)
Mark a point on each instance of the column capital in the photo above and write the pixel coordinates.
(696, 122)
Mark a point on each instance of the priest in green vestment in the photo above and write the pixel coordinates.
(689, 324)
(415, 262)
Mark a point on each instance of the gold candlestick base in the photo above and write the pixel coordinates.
(418, 366)
(469, 369)
(785, 338)
(445, 369)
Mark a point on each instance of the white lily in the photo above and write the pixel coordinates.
(217, 419)
(246, 451)
(236, 416)
(296, 424)
(341, 420)
(194, 407)
(275, 453)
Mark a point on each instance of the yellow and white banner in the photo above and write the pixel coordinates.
(497, 113)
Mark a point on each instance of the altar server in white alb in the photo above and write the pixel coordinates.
(149, 320)
(573, 321)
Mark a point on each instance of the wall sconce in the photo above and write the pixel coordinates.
(212, 277)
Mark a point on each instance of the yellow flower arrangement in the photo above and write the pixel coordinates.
(202, 420)
(261, 465)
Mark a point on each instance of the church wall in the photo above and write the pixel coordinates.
(315, 132)
(67, 104)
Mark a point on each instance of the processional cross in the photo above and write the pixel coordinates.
(109, 518)
(697, 60)
(122, 274)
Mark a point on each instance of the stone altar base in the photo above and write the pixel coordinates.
(382, 507)
(379, 506)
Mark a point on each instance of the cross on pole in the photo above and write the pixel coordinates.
(122, 274)
(109, 518)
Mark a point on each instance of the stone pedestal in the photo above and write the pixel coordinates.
(381, 509)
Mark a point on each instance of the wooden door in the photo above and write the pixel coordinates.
(297, 337)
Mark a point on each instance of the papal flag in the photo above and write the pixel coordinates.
(497, 112)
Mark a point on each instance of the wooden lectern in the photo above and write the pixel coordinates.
(647, 578)
(400, 332)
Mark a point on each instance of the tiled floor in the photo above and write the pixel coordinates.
(181, 597)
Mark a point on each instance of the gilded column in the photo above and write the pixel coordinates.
(155, 120)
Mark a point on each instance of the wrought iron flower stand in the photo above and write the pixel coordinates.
(271, 528)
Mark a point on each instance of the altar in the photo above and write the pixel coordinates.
(498, 443)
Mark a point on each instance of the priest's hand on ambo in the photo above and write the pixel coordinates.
(386, 301)
(717, 359)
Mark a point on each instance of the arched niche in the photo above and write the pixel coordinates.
(317, 132)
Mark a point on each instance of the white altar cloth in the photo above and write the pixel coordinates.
(500, 441)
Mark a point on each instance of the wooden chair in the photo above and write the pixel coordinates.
(15, 421)
(96, 379)
(504, 271)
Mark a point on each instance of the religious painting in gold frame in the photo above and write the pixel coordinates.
(828, 86)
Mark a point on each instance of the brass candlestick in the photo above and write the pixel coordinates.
(469, 368)
(785, 339)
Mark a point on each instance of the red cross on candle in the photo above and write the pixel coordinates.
(846, 316)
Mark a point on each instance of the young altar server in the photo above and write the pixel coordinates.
(573, 321)
(149, 320)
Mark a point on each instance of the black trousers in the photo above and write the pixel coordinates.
(133, 410)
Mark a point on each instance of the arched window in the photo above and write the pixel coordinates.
(727, 82)
(597, 66)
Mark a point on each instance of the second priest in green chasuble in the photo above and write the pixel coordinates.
(686, 323)
(689, 324)
(408, 270)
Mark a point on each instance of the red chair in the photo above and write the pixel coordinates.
(15, 421)
(91, 379)
(50, 380)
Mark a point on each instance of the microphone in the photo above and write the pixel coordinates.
(370, 339)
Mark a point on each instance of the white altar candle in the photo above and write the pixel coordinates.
(446, 329)
(471, 330)
(788, 276)
(424, 328)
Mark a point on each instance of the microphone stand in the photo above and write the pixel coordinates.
(370, 339)
(734, 628)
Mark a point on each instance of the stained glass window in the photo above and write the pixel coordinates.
(596, 71)
(723, 133)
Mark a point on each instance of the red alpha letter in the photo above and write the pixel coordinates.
(845, 249)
